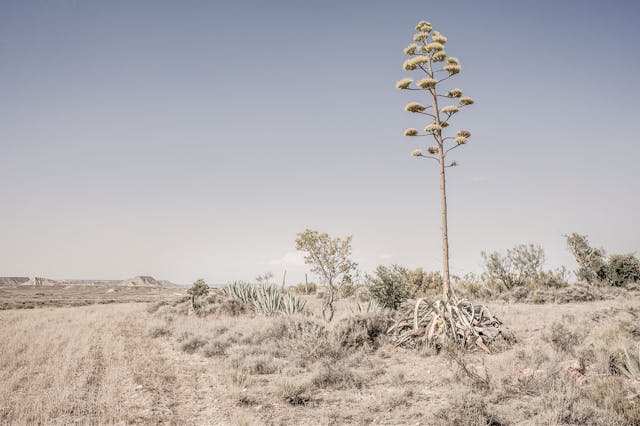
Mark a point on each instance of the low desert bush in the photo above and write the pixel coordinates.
(192, 344)
(215, 348)
(562, 337)
(295, 393)
(259, 364)
(231, 307)
(306, 288)
(336, 376)
(362, 331)
(390, 287)
(466, 409)
(158, 330)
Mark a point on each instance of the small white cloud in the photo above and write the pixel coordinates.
(386, 256)
(290, 258)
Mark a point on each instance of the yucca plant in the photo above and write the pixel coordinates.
(268, 300)
(241, 291)
(264, 299)
(630, 365)
(365, 308)
(292, 304)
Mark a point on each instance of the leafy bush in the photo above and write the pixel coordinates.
(521, 266)
(390, 286)
(623, 269)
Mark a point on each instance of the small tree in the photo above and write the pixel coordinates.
(428, 57)
(595, 267)
(330, 260)
(198, 289)
(592, 264)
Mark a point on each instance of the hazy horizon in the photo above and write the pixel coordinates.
(195, 139)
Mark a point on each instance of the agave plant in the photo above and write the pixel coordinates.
(292, 304)
(371, 306)
(241, 291)
(265, 299)
(268, 300)
(432, 323)
(630, 366)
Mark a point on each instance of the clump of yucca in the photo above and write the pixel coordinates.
(265, 299)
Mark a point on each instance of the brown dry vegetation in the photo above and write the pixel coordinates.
(29, 297)
(150, 364)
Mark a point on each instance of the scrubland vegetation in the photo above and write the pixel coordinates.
(568, 353)
(229, 363)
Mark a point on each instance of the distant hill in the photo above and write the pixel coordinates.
(12, 281)
(138, 281)
(146, 281)
(40, 282)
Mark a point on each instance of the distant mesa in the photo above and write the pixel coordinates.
(143, 281)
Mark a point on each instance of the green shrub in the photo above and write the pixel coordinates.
(390, 286)
(623, 269)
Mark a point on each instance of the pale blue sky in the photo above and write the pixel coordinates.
(195, 139)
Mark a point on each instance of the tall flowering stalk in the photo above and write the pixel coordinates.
(436, 322)
(427, 55)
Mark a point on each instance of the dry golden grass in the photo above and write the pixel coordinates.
(132, 363)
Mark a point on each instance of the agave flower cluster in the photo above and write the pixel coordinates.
(427, 55)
